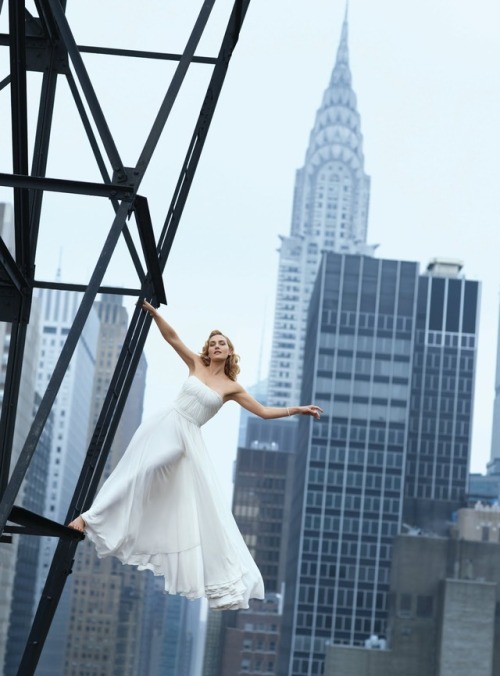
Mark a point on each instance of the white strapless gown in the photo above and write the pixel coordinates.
(162, 508)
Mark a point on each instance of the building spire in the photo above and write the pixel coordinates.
(330, 213)
(341, 71)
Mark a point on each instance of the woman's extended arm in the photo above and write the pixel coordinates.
(270, 412)
(170, 335)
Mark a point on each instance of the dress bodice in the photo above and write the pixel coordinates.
(197, 402)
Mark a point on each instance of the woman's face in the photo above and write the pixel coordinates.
(218, 349)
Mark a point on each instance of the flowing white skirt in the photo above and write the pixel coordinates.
(162, 509)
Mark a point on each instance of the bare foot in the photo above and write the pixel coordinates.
(78, 524)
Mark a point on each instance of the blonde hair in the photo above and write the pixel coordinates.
(231, 368)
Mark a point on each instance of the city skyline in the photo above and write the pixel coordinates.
(419, 207)
(386, 460)
(423, 77)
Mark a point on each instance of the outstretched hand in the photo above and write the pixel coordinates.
(313, 410)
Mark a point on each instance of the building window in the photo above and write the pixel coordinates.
(404, 609)
(425, 606)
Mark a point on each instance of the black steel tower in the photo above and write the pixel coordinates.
(44, 43)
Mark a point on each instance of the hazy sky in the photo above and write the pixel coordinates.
(426, 77)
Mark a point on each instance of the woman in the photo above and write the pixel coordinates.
(161, 507)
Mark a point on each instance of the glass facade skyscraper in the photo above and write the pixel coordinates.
(390, 357)
(442, 393)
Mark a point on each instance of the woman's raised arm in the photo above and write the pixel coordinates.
(170, 335)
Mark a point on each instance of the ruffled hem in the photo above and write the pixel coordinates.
(231, 595)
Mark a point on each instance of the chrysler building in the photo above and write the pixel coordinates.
(330, 212)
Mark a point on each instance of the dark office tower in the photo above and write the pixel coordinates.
(330, 212)
(261, 508)
(248, 640)
(372, 327)
(440, 424)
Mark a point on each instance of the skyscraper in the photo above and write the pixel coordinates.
(261, 507)
(390, 357)
(71, 417)
(105, 593)
(330, 211)
(442, 390)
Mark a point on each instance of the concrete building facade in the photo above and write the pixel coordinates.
(443, 616)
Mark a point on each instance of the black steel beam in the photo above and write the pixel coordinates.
(12, 271)
(19, 114)
(146, 234)
(47, 20)
(30, 523)
(113, 191)
(10, 401)
(35, 43)
(139, 54)
(41, 150)
(67, 286)
(22, 306)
